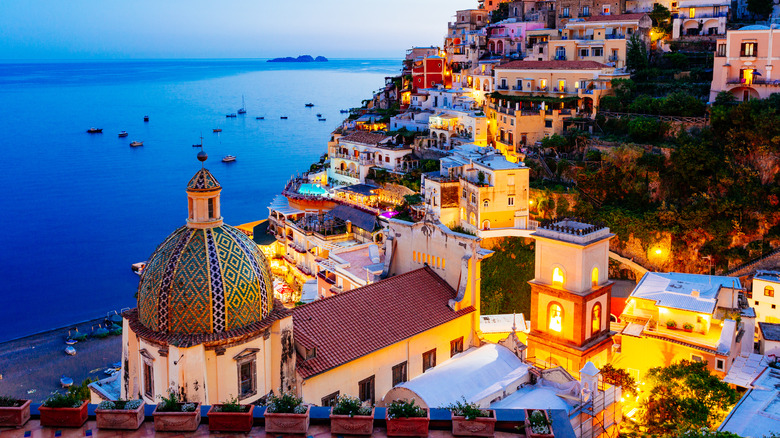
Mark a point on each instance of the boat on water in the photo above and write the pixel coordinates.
(146, 118)
(242, 110)
(309, 105)
(231, 115)
(260, 118)
(123, 134)
(95, 130)
(66, 381)
(319, 115)
(344, 111)
(321, 119)
(284, 117)
(136, 143)
(70, 351)
(139, 267)
(216, 130)
(228, 158)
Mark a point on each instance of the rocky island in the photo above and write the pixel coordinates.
(302, 58)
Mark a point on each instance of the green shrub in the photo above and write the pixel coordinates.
(172, 403)
(58, 400)
(10, 402)
(467, 410)
(404, 409)
(125, 405)
(286, 403)
(231, 405)
(346, 405)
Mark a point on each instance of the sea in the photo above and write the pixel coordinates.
(77, 209)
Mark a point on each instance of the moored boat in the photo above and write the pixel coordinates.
(138, 268)
(228, 158)
(216, 130)
(284, 117)
(70, 351)
(319, 115)
(309, 105)
(123, 134)
(321, 119)
(344, 111)
(136, 143)
(146, 118)
(242, 110)
(260, 118)
(95, 130)
(231, 115)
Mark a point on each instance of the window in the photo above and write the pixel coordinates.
(774, 306)
(211, 208)
(557, 276)
(755, 303)
(387, 158)
(543, 83)
(697, 358)
(748, 49)
(148, 380)
(769, 291)
(595, 320)
(485, 203)
(464, 193)
(605, 10)
(585, 11)
(720, 365)
(561, 85)
(399, 373)
(548, 123)
(366, 390)
(429, 359)
(330, 399)
(246, 378)
(456, 346)
(691, 12)
(556, 318)
(510, 201)
(594, 277)
(560, 54)
(597, 51)
(583, 53)
(473, 198)
(565, 13)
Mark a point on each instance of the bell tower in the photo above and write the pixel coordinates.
(570, 295)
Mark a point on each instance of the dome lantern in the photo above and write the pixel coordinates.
(203, 200)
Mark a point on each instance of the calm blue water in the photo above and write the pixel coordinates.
(79, 209)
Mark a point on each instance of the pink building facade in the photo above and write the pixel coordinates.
(744, 63)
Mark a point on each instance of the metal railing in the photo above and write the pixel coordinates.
(347, 173)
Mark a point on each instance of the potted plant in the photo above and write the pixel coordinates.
(66, 410)
(171, 414)
(231, 416)
(350, 417)
(537, 424)
(120, 414)
(286, 414)
(671, 324)
(406, 419)
(688, 327)
(14, 412)
(469, 420)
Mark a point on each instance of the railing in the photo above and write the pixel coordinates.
(347, 173)
(738, 81)
(613, 58)
(714, 15)
(560, 57)
(516, 88)
(615, 37)
(508, 111)
(502, 87)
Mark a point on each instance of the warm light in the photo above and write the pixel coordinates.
(557, 277)
(658, 251)
(556, 323)
(531, 202)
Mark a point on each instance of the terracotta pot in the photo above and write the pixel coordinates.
(64, 417)
(412, 426)
(15, 417)
(687, 330)
(529, 431)
(287, 423)
(120, 418)
(176, 421)
(230, 421)
(357, 425)
(480, 426)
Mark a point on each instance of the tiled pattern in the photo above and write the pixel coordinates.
(204, 281)
(203, 180)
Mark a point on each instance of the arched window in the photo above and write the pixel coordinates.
(473, 220)
(594, 277)
(769, 291)
(557, 277)
(485, 203)
(595, 319)
(555, 313)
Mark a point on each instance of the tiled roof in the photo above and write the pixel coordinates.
(364, 137)
(770, 330)
(355, 323)
(210, 340)
(552, 65)
(203, 180)
(621, 17)
(692, 292)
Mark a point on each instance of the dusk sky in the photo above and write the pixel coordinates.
(114, 29)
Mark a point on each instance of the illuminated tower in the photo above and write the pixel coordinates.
(570, 295)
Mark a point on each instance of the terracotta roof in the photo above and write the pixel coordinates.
(364, 137)
(211, 340)
(620, 17)
(552, 65)
(355, 323)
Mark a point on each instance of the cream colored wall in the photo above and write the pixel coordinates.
(380, 363)
(603, 301)
(575, 261)
(763, 304)
(639, 354)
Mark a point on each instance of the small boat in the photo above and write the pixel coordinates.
(70, 341)
(110, 371)
(242, 110)
(197, 145)
(309, 105)
(228, 158)
(138, 268)
(321, 119)
(344, 111)
(70, 351)
(123, 134)
(260, 118)
(231, 115)
(216, 130)
(284, 117)
(146, 118)
(95, 130)
(66, 381)
(319, 115)
(136, 143)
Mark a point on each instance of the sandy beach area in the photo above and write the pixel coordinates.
(31, 367)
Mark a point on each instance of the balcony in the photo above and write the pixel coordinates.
(613, 58)
(560, 57)
(615, 37)
(697, 16)
(347, 173)
(754, 82)
(502, 87)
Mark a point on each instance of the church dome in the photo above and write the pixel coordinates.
(206, 277)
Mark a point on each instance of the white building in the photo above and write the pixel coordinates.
(353, 155)
(701, 17)
(762, 297)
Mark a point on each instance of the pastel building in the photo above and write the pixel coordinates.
(601, 38)
(352, 156)
(636, 6)
(429, 72)
(762, 296)
(507, 38)
(452, 128)
(466, 22)
(571, 9)
(674, 316)
(701, 18)
(744, 63)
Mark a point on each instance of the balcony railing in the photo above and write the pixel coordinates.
(713, 15)
(560, 57)
(613, 58)
(616, 36)
(763, 82)
(516, 88)
(347, 173)
(502, 87)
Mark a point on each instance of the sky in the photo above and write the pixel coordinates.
(148, 29)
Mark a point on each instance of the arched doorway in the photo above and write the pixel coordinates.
(500, 46)
(486, 224)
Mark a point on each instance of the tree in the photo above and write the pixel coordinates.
(501, 13)
(636, 54)
(762, 8)
(660, 15)
(683, 397)
(619, 377)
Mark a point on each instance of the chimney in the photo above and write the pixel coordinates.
(349, 226)
(695, 293)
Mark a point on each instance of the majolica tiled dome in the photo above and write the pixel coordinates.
(205, 279)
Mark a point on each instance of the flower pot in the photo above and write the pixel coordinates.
(15, 416)
(531, 433)
(357, 425)
(230, 421)
(687, 330)
(480, 426)
(64, 417)
(176, 421)
(287, 423)
(412, 426)
(120, 418)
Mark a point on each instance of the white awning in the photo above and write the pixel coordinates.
(633, 329)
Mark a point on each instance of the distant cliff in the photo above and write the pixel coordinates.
(302, 58)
